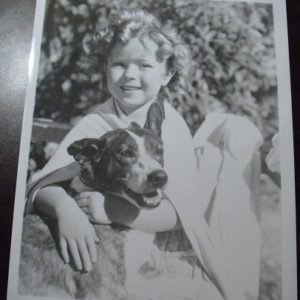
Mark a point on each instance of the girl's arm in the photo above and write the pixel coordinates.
(75, 233)
(161, 218)
(112, 209)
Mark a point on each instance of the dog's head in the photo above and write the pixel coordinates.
(126, 162)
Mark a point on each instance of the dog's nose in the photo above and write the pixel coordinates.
(158, 178)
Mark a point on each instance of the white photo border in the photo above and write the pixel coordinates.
(288, 224)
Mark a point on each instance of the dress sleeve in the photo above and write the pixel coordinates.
(217, 247)
(91, 126)
(183, 186)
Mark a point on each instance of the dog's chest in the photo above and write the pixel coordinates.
(139, 251)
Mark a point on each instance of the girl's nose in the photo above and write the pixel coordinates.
(131, 72)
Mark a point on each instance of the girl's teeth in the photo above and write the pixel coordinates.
(130, 88)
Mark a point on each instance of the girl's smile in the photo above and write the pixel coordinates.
(134, 75)
(129, 88)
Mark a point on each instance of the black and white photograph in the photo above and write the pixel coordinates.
(156, 154)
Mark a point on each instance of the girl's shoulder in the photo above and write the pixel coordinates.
(98, 113)
(98, 119)
(171, 111)
(174, 119)
(104, 108)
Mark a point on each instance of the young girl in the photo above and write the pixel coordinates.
(142, 57)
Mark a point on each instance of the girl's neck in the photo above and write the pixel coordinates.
(131, 110)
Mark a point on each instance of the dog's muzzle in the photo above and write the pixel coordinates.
(157, 180)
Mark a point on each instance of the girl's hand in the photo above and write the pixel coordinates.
(76, 235)
(92, 203)
(77, 238)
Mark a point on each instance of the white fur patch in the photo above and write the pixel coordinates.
(145, 165)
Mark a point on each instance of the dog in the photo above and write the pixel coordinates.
(125, 163)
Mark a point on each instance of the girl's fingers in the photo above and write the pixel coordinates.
(81, 201)
(64, 250)
(77, 197)
(85, 209)
(95, 235)
(75, 254)
(85, 255)
(83, 195)
(90, 242)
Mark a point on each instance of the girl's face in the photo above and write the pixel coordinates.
(134, 75)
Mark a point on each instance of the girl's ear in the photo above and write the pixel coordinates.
(168, 76)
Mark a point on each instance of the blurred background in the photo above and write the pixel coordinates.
(233, 70)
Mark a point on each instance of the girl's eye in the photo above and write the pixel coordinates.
(118, 64)
(145, 66)
(126, 153)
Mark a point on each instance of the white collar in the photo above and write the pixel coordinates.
(139, 115)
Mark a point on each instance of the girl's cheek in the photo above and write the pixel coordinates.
(115, 75)
(149, 78)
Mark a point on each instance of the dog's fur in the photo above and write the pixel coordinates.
(123, 162)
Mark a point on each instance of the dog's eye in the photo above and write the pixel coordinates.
(125, 153)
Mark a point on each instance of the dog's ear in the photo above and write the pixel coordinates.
(86, 149)
(134, 125)
(155, 117)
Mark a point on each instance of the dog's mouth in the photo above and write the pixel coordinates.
(145, 201)
(149, 200)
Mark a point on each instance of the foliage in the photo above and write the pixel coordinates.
(232, 67)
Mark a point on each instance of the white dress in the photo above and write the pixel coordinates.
(229, 169)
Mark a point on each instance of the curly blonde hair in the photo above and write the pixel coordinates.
(141, 24)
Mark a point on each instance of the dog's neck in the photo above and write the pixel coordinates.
(90, 184)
